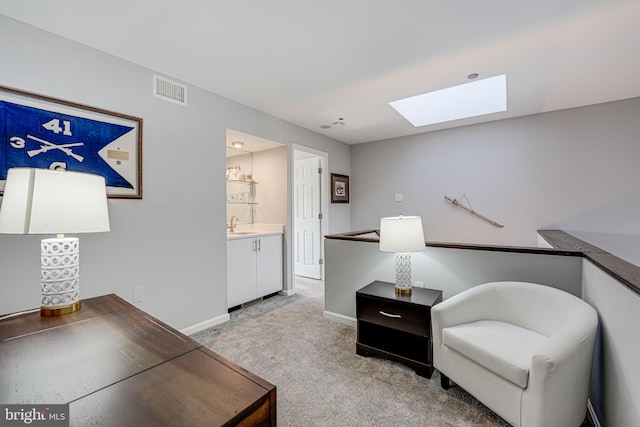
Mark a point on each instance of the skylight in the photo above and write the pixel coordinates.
(458, 102)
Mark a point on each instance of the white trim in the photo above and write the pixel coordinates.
(592, 414)
(339, 318)
(287, 292)
(190, 330)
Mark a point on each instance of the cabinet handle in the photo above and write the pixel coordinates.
(259, 248)
(397, 316)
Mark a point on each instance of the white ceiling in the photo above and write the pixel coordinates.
(313, 62)
(251, 143)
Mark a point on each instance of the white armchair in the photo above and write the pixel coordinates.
(522, 349)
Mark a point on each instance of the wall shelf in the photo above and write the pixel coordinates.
(242, 182)
(241, 193)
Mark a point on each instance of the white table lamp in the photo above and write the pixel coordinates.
(43, 201)
(402, 235)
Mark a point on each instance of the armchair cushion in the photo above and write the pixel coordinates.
(503, 348)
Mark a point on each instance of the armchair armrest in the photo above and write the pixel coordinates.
(557, 378)
(474, 304)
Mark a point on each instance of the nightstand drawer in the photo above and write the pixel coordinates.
(403, 317)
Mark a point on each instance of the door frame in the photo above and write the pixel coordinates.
(324, 204)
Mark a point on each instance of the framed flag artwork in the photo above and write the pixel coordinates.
(41, 132)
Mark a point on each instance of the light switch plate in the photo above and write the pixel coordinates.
(398, 197)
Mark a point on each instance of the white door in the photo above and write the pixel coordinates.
(306, 212)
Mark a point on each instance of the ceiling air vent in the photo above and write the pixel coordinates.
(169, 91)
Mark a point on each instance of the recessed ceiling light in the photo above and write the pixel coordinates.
(237, 144)
(472, 76)
(472, 99)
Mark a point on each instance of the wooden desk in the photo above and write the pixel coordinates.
(115, 365)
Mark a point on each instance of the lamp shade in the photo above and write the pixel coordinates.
(43, 201)
(401, 234)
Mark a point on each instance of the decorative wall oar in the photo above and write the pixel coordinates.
(469, 209)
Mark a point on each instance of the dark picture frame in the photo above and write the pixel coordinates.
(339, 188)
(38, 131)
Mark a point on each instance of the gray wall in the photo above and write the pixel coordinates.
(352, 265)
(172, 242)
(616, 375)
(574, 169)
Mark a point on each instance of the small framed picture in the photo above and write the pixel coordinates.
(339, 188)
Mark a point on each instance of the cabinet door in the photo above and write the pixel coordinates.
(241, 271)
(269, 265)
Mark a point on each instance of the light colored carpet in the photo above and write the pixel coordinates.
(322, 382)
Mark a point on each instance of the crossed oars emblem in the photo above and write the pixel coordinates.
(51, 146)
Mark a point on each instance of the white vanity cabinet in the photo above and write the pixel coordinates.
(254, 267)
(269, 277)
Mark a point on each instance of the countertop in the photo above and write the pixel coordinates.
(244, 231)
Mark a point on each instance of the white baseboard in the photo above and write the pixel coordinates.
(287, 292)
(339, 318)
(190, 330)
(592, 414)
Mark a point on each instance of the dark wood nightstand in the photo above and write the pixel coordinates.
(396, 327)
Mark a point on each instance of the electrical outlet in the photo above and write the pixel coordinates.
(398, 197)
(418, 284)
(137, 295)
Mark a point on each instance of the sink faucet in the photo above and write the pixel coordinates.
(232, 225)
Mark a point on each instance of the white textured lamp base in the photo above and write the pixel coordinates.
(60, 275)
(403, 274)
